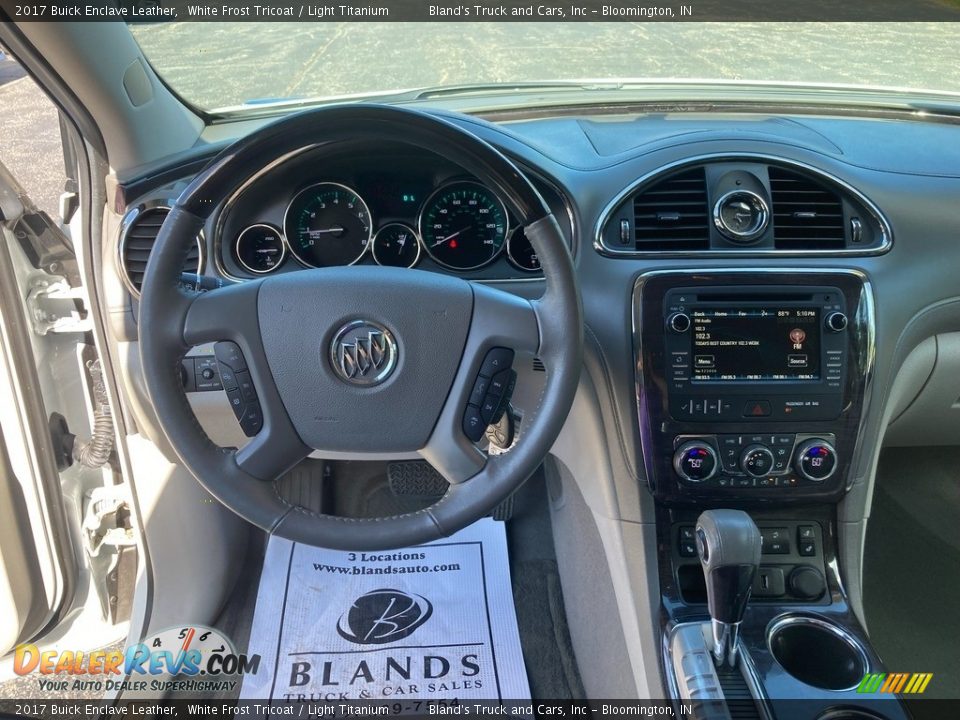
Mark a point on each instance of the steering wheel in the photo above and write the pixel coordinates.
(400, 383)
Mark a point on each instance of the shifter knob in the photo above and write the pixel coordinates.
(728, 543)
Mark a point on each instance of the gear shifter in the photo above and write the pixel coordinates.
(728, 543)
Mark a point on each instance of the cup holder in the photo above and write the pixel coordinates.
(817, 652)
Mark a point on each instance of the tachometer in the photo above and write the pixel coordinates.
(463, 225)
(327, 224)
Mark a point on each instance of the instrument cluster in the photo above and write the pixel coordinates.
(386, 207)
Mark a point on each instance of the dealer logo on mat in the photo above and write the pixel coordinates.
(384, 616)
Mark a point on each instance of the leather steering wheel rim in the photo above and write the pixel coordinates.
(172, 319)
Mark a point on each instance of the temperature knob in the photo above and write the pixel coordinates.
(695, 461)
(816, 460)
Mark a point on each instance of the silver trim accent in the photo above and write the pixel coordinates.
(512, 260)
(286, 215)
(443, 188)
(129, 219)
(763, 219)
(283, 248)
(416, 237)
(725, 640)
(747, 667)
(339, 350)
(868, 322)
(783, 621)
(601, 247)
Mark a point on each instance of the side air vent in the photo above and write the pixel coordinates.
(673, 214)
(136, 242)
(807, 215)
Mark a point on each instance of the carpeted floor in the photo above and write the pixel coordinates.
(912, 565)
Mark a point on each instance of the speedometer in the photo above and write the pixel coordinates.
(327, 224)
(463, 225)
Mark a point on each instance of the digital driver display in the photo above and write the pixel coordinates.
(756, 344)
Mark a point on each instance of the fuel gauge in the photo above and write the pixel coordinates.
(396, 245)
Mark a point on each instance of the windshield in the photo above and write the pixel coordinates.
(217, 65)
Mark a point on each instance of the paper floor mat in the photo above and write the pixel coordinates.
(433, 622)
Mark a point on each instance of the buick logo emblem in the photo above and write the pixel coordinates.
(363, 353)
(383, 616)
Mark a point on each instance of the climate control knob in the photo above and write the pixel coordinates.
(679, 322)
(756, 460)
(695, 461)
(816, 460)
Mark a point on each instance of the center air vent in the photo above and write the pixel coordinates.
(137, 241)
(673, 214)
(807, 215)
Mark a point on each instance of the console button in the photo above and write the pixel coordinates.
(774, 541)
(806, 532)
(757, 408)
(807, 548)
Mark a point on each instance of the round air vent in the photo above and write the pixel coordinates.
(140, 229)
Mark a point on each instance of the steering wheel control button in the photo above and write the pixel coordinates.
(497, 359)
(816, 460)
(251, 422)
(695, 461)
(757, 461)
(473, 424)
(245, 383)
(490, 396)
(229, 354)
(363, 353)
(479, 391)
(206, 376)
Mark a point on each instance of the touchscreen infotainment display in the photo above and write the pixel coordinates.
(772, 343)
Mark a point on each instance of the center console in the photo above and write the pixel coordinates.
(751, 388)
(751, 384)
